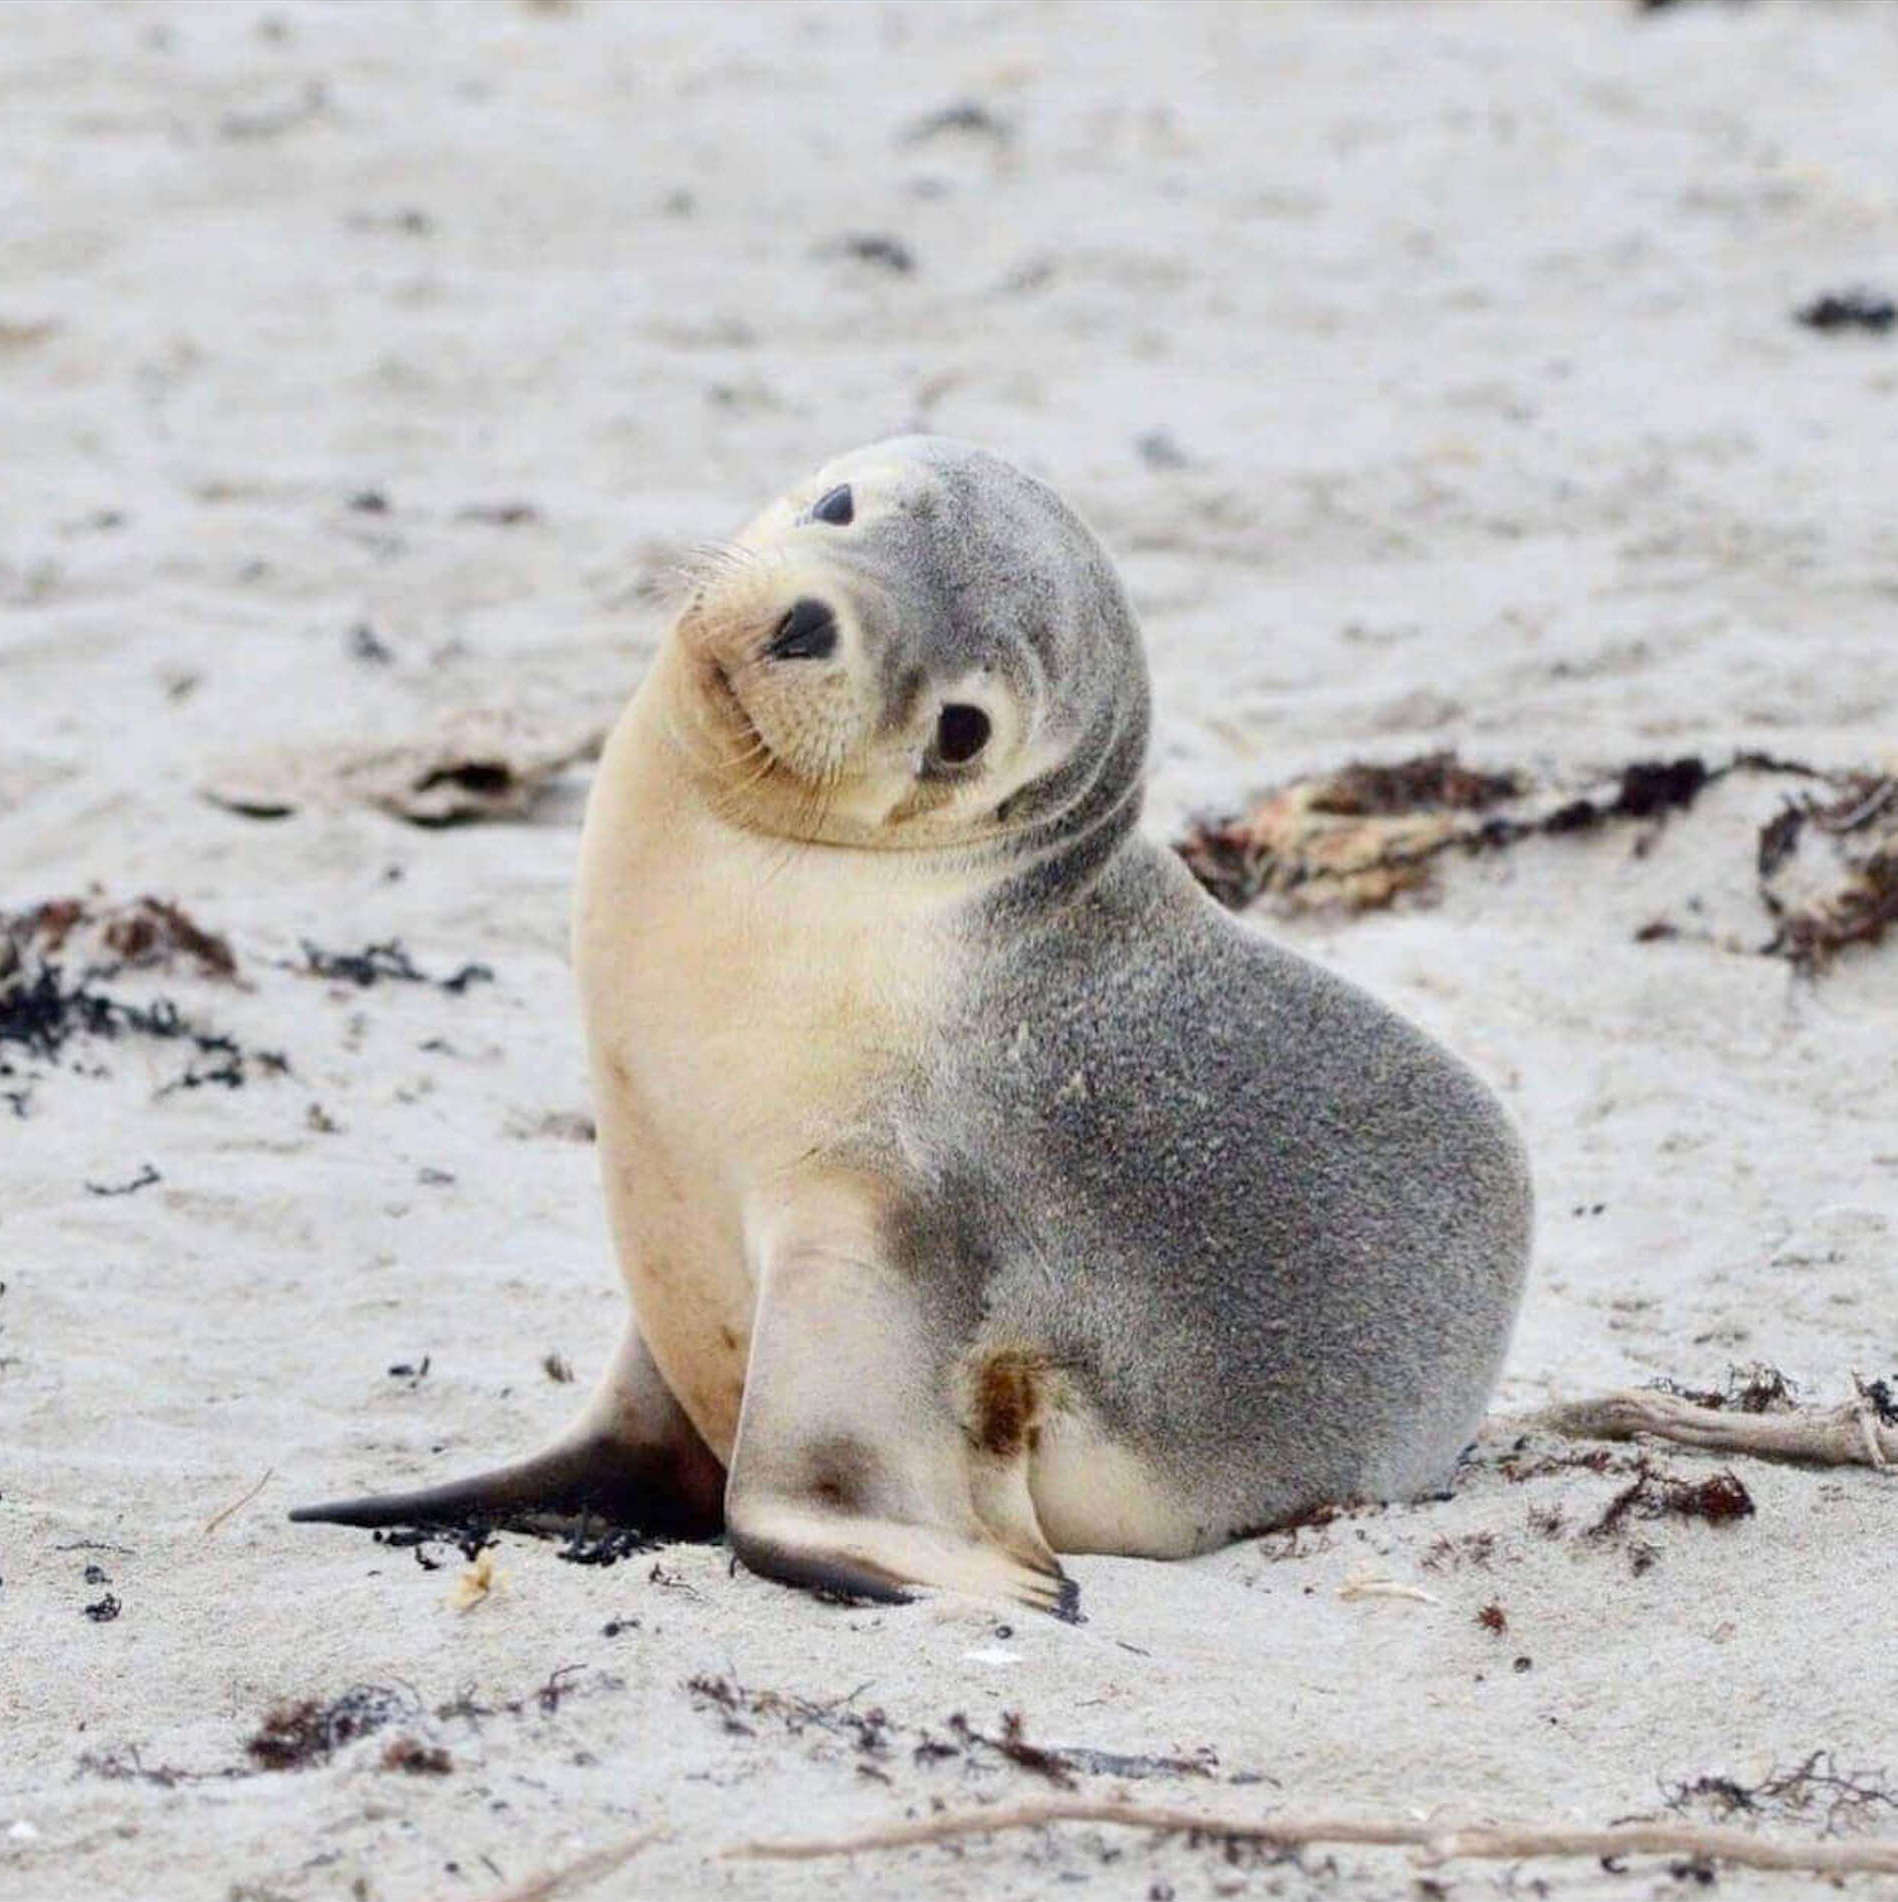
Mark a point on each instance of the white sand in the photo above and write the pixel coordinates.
(1472, 325)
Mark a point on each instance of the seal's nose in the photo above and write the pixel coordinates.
(807, 632)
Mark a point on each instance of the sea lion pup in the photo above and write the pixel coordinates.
(983, 1190)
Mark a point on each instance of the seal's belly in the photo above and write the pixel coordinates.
(700, 1114)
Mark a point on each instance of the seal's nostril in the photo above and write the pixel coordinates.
(837, 507)
(807, 632)
(961, 734)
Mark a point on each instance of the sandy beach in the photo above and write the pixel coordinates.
(1433, 373)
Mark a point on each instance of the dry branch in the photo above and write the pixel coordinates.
(238, 1505)
(1434, 1842)
(577, 1875)
(1847, 1435)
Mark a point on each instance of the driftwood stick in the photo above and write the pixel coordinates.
(573, 1876)
(238, 1505)
(1434, 1842)
(1847, 1435)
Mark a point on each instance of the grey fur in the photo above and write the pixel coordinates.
(1273, 1233)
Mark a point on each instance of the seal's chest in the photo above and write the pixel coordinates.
(751, 992)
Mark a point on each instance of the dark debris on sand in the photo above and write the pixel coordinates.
(876, 248)
(387, 963)
(1646, 788)
(1719, 1500)
(1814, 1788)
(469, 1537)
(1856, 309)
(1365, 833)
(586, 1542)
(1754, 1388)
(56, 958)
(415, 1759)
(1858, 825)
(871, 1735)
(1433, 782)
(297, 1734)
(1360, 836)
(44, 1013)
(147, 934)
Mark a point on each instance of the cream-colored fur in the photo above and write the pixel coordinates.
(739, 995)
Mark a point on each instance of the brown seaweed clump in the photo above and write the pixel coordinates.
(1828, 870)
(146, 934)
(297, 1734)
(1355, 838)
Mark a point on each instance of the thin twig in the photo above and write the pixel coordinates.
(1356, 1587)
(238, 1505)
(1847, 1435)
(575, 1875)
(1433, 1842)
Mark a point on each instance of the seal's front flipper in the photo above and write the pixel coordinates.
(852, 1469)
(632, 1460)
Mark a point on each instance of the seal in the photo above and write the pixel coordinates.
(983, 1191)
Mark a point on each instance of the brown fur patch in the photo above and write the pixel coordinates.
(838, 1472)
(1008, 1402)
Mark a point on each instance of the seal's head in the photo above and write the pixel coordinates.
(919, 648)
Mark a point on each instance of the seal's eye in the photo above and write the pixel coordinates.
(836, 508)
(807, 632)
(961, 734)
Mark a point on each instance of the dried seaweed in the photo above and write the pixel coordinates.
(1856, 309)
(1361, 836)
(145, 1178)
(871, 1734)
(1646, 788)
(1719, 1499)
(556, 1689)
(1844, 1799)
(1365, 833)
(1434, 782)
(387, 963)
(295, 1735)
(145, 934)
(1755, 1388)
(1444, 1554)
(1013, 1744)
(44, 1013)
(415, 1759)
(879, 248)
(866, 1731)
(1851, 896)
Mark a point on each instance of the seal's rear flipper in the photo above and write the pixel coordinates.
(660, 1490)
(632, 1459)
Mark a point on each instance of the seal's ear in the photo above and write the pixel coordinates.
(632, 1460)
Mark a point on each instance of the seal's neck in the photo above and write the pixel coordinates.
(1080, 815)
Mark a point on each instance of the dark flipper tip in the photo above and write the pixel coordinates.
(1068, 1606)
